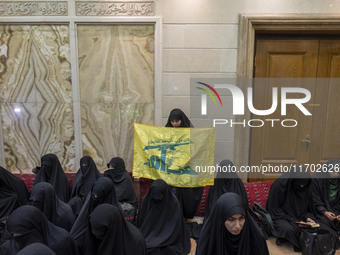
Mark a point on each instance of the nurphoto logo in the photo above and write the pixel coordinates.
(281, 98)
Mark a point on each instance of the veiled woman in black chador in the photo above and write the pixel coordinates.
(13, 192)
(44, 197)
(52, 172)
(289, 201)
(83, 182)
(122, 181)
(325, 190)
(230, 230)
(102, 192)
(189, 198)
(27, 225)
(225, 181)
(108, 233)
(161, 222)
(36, 249)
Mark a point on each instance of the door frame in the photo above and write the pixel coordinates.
(249, 25)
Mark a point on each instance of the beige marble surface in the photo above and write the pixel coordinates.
(116, 85)
(36, 95)
(116, 67)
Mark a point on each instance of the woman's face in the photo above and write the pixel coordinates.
(235, 224)
(176, 123)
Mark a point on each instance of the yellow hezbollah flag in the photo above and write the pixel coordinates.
(174, 154)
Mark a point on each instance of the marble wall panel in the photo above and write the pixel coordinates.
(56, 132)
(31, 130)
(35, 64)
(107, 130)
(20, 136)
(116, 77)
(35, 78)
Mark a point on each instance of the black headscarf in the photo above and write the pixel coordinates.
(103, 191)
(13, 192)
(108, 233)
(320, 188)
(189, 198)
(161, 222)
(36, 249)
(215, 239)
(52, 172)
(43, 197)
(223, 183)
(27, 225)
(122, 181)
(287, 199)
(82, 183)
(288, 203)
(85, 177)
(178, 114)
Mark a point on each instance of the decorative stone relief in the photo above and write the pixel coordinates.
(36, 107)
(116, 70)
(30, 8)
(114, 8)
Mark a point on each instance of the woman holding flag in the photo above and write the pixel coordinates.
(189, 198)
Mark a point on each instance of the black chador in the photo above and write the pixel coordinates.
(102, 192)
(27, 225)
(108, 233)
(122, 181)
(161, 222)
(82, 183)
(52, 172)
(215, 238)
(289, 201)
(13, 192)
(189, 198)
(225, 181)
(44, 197)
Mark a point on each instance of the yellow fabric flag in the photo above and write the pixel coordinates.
(176, 155)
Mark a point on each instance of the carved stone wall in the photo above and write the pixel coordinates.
(114, 8)
(30, 8)
(73, 89)
(82, 8)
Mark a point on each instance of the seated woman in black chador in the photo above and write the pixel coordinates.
(161, 222)
(122, 181)
(36, 249)
(230, 230)
(225, 181)
(83, 182)
(189, 198)
(325, 189)
(108, 233)
(13, 192)
(43, 197)
(27, 225)
(289, 201)
(52, 172)
(102, 192)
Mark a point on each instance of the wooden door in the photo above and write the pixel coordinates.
(313, 140)
(325, 138)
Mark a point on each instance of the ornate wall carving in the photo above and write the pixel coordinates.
(114, 8)
(25, 8)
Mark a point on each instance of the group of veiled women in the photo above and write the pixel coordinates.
(85, 220)
(90, 218)
(92, 221)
